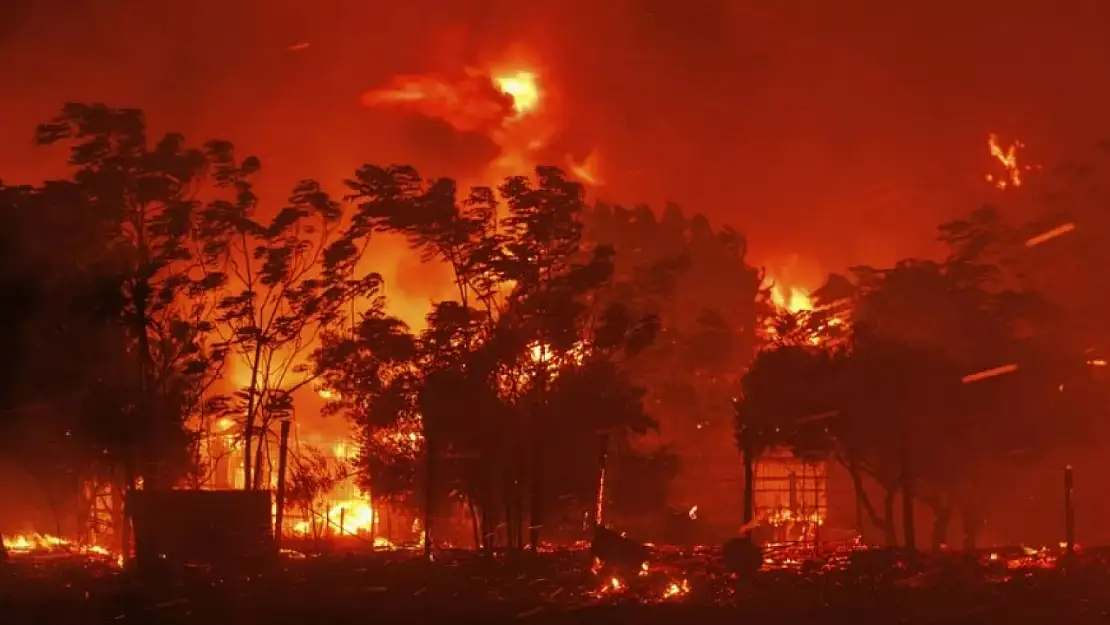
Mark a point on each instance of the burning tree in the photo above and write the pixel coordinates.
(132, 293)
(896, 401)
(696, 279)
(148, 197)
(291, 278)
(525, 346)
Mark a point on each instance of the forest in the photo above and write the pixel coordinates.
(575, 326)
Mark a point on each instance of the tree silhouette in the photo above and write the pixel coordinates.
(146, 199)
(493, 379)
(696, 279)
(895, 401)
(291, 278)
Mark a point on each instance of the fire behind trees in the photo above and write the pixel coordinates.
(937, 380)
(143, 275)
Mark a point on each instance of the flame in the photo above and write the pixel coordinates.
(27, 544)
(523, 88)
(506, 101)
(1012, 170)
(790, 299)
(587, 170)
(676, 589)
(786, 516)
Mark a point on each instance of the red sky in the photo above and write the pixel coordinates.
(840, 132)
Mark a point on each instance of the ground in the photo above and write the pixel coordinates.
(567, 587)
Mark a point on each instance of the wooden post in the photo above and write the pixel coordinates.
(748, 453)
(1069, 514)
(283, 454)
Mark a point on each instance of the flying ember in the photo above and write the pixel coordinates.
(1012, 170)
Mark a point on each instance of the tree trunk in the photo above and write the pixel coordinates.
(487, 515)
(907, 507)
(972, 521)
(283, 453)
(125, 502)
(510, 520)
(429, 493)
(748, 453)
(882, 523)
(375, 514)
(943, 519)
(535, 497)
(260, 449)
(248, 426)
(890, 532)
(474, 523)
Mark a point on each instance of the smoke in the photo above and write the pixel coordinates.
(780, 118)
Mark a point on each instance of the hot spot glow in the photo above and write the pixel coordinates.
(790, 299)
(523, 88)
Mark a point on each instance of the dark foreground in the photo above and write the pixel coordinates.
(677, 588)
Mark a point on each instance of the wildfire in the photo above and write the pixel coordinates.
(28, 544)
(648, 579)
(790, 299)
(1012, 170)
(587, 170)
(505, 101)
(784, 516)
(522, 87)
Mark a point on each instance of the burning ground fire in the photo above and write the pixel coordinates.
(27, 545)
(654, 582)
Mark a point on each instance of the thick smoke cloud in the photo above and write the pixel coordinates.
(810, 125)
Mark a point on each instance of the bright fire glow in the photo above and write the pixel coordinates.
(26, 544)
(790, 299)
(587, 170)
(523, 88)
(506, 101)
(1011, 176)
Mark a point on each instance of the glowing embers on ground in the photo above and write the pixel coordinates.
(648, 582)
(33, 544)
(343, 510)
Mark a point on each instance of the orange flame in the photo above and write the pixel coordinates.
(1012, 170)
(506, 101)
(522, 87)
